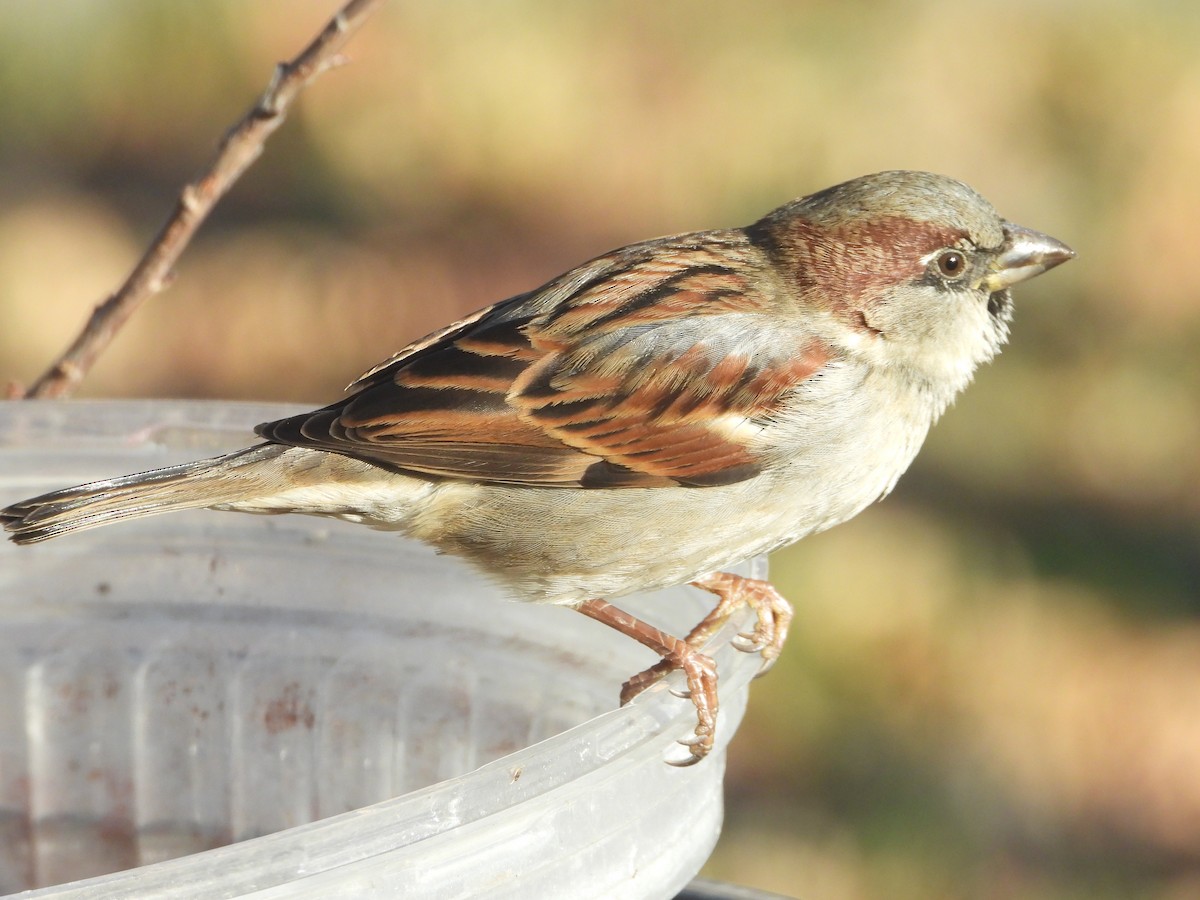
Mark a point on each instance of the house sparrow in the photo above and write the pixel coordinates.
(651, 417)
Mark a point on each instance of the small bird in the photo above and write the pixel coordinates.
(649, 418)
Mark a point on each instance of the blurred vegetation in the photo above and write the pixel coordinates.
(993, 688)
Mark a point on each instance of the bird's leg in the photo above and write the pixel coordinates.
(773, 611)
(733, 592)
(699, 670)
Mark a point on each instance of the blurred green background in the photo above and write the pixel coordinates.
(993, 686)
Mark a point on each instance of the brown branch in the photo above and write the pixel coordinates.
(240, 147)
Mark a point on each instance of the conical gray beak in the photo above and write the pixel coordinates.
(1026, 253)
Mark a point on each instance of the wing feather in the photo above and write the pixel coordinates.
(658, 364)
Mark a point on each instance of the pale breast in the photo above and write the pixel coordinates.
(831, 454)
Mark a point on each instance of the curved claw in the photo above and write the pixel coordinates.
(693, 741)
(685, 762)
(768, 664)
(774, 614)
(681, 693)
(747, 643)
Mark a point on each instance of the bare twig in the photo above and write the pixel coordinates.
(240, 147)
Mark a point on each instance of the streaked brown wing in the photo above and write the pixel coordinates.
(654, 365)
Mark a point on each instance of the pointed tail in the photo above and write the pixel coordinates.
(206, 482)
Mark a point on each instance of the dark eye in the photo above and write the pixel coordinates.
(951, 264)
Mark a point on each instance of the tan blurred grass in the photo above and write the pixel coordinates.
(991, 687)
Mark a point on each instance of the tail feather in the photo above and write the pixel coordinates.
(206, 482)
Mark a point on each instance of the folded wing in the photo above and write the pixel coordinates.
(658, 364)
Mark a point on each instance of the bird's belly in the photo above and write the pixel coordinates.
(837, 455)
(564, 545)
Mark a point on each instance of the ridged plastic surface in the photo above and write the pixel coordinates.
(291, 707)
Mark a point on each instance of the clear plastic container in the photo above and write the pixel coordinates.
(205, 705)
